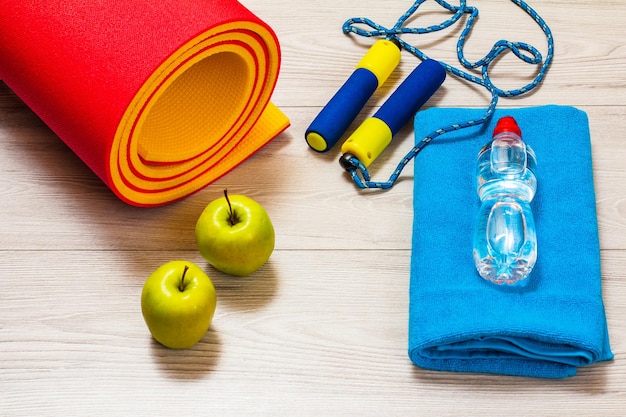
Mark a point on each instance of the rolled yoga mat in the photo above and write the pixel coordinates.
(159, 99)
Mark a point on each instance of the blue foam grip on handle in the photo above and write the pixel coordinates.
(335, 118)
(371, 138)
(414, 91)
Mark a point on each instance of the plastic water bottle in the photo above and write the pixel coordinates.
(505, 240)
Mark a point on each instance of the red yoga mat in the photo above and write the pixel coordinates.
(158, 98)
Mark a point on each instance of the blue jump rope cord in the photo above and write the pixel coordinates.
(359, 172)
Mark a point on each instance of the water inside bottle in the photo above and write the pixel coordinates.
(505, 243)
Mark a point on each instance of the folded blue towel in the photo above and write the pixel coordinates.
(461, 322)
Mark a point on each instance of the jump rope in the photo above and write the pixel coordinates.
(368, 141)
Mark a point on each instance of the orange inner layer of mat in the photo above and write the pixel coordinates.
(187, 124)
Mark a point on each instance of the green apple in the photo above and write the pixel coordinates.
(178, 302)
(235, 234)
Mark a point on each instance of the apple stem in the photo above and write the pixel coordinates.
(232, 219)
(181, 287)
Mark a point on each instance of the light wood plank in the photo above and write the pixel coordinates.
(302, 337)
(303, 191)
(588, 68)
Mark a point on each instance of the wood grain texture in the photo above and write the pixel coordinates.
(321, 330)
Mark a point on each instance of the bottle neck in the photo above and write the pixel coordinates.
(508, 156)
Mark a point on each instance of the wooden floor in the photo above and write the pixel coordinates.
(321, 330)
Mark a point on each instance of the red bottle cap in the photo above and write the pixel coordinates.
(507, 124)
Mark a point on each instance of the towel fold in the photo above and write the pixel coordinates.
(158, 98)
(461, 322)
